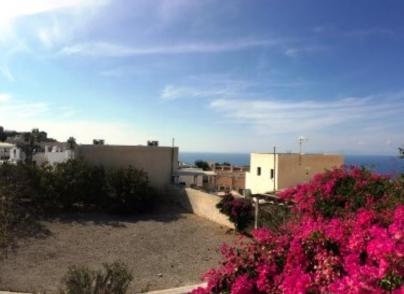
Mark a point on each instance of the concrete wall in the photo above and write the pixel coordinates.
(295, 168)
(261, 183)
(201, 204)
(158, 162)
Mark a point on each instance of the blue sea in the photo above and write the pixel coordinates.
(391, 165)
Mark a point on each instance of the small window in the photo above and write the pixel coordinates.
(272, 173)
(258, 171)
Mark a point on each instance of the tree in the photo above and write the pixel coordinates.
(30, 145)
(3, 136)
(224, 163)
(71, 143)
(202, 164)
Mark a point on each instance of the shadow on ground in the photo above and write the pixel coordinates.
(166, 213)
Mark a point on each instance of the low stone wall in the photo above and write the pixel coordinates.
(200, 203)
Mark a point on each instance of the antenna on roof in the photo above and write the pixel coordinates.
(301, 140)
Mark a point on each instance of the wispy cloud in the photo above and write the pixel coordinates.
(368, 32)
(19, 8)
(61, 122)
(4, 97)
(105, 49)
(209, 89)
(302, 50)
(274, 116)
(6, 73)
(225, 86)
(49, 23)
(20, 109)
(171, 92)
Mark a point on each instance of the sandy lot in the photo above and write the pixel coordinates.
(164, 249)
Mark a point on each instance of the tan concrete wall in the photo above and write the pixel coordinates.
(204, 204)
(200, 203)
(157, 162)
(295, 168)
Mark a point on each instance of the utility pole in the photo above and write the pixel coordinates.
(274, 168)
(301, 140)
(172, 159)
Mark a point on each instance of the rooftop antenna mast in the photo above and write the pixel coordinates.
(301, 140)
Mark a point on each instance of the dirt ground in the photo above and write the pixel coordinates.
(163, 250)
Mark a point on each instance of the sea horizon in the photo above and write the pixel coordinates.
(385, 164)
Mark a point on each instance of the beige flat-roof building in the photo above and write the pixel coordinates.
(159, 162)
(271, 172)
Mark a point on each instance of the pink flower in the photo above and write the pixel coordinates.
(243, 285)
(263, 236)
(344, 237)
(296, 282)
(199, 290)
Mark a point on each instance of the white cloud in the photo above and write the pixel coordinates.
(297, 51)
(4, 97)
(50, 35)
(19, 8)
(208, 86)
(171, 92)
(61, 122)
(6, 73)
(20, 110)
(105, 49)
(222, 86)
(274, 116)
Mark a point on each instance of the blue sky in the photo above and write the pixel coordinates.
(226, 76)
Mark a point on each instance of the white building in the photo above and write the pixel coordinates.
(271, 172)
(10, 153)
(54, 153)
(195, 178)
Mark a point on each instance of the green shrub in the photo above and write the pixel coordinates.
(16, 193)
(127, 190)
(114, 278)
(273, 216)
(75, 185)
(28, 191)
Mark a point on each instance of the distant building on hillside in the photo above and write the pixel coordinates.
(10, 153)
(230, 177)
(271, 172)
(54, 153)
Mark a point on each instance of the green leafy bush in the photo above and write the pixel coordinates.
(28, 191)
(114, 278)
(77, 185)
(16, 210)
(127, 190)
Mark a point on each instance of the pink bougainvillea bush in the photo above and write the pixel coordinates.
(239, 211)
(346, 236)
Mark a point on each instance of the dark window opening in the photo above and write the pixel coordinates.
(258, 171)
(272, 173)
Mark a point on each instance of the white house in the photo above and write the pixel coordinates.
(195, 177)
(10, 153)
(271, 172)
(54, 153)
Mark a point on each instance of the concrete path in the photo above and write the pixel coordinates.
(179, 290)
